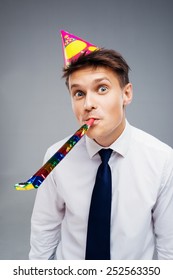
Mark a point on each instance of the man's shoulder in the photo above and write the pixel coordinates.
(149, 141)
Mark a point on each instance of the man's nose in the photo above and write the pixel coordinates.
(90, 102)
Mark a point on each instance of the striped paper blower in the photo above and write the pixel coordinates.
(37, 179)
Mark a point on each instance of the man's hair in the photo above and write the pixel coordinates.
(100, 58)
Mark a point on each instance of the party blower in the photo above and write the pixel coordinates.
(37, 179)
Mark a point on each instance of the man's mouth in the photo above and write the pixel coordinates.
(92, 120)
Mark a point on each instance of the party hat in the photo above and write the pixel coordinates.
(74, 46)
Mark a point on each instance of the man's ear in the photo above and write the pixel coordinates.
(127, 94)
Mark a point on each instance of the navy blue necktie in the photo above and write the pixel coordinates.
(98, 234)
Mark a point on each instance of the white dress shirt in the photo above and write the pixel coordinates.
(142, 200)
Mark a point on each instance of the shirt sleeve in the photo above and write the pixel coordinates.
(163, 213)
(46, 220)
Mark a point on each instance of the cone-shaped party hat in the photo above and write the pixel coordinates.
(74, 46)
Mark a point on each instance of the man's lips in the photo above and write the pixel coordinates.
(92, 117)
(91, 121)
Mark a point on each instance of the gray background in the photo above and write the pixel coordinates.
(35, 109)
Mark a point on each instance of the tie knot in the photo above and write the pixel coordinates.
(105, 155)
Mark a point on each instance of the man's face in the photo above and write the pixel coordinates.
(96, 93)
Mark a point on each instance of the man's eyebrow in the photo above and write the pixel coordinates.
(74, 86)
(96, 81)
(101, 79)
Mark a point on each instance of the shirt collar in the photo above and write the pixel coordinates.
(120, 146)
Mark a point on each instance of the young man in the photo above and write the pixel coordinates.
(141, 175)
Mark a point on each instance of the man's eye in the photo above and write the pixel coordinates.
(79, 94)
(103, 89)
